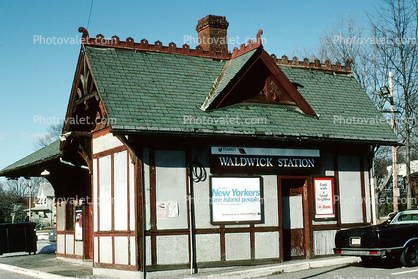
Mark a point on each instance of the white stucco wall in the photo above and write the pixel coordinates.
(60, 243)
(69, 244)
(121, 250)
(266, 245)
(105, 142)
(132, 208)
(106, 251)
(78, 248)
(271, 212)
(105, 198)
(147, 188)
(171, 186)
(350, 189)
(172, 249)
(120, 179)
(61, 216)
(96, 249)
(237, 246)
(208, 247)
(94, 192)
(367, 187)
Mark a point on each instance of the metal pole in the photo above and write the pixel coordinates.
(394, 155)
(373, 194)
(30, 199)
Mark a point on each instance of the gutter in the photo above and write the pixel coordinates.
(73, 165)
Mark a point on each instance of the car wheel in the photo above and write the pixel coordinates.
(409, 256)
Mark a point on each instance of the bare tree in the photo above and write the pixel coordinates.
(53, 132)
(395, 23)
(13, 190)
(349, 41)
(345, 42)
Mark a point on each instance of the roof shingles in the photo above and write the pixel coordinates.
(161, 91)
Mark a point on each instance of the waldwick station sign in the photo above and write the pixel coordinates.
(225, 159)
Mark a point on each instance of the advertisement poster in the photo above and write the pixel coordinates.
(161, 210)
(236, 200)
(323, 189)
(78, 226)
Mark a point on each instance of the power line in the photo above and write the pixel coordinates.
(88, 22)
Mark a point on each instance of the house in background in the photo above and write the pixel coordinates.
(173, 157)
(44, 211)
(20, 211)
(401, 171)
(42, 208)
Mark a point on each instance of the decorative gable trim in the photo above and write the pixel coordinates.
(84, 98)
(285, 85)
(250, 46)
(185, 49)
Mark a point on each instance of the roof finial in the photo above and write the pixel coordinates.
(259, 33)
(84, 31)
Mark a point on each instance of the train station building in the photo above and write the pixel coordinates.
(178, 157)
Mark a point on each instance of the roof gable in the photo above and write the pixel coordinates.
(246, 76)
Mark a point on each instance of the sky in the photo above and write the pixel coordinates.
(39, 46)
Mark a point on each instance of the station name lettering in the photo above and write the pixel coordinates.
(266, 162)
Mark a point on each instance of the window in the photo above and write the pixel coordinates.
(69, 216)
(406, 217)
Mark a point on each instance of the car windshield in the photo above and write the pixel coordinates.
(405, 217)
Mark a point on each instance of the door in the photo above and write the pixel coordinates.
(293, 219)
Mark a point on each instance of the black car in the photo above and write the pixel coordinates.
(397, 237)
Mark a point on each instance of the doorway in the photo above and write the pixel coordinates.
(293, 219)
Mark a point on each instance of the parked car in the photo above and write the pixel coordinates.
(52, 235)
(397, 237)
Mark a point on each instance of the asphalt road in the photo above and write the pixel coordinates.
(384, 270)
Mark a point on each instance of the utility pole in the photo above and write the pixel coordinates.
(394, 155)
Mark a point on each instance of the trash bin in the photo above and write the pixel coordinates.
(18, 237)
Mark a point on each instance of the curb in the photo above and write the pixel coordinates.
(254, 272)
(284, 268)
(31, 272)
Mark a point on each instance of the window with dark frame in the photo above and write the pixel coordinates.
(69, 216)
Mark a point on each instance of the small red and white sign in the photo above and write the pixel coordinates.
(323, 188)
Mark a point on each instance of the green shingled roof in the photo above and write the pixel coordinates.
(151, 91)
(44, 154)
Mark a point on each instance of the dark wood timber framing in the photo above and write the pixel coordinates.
(363, 190)
(307, 217)
(222, 242)
(279, 209)
(337, 191)
(153, 205)
(140, 211)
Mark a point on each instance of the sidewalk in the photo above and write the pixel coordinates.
(49, 267)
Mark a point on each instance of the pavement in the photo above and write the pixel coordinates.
(48, 266)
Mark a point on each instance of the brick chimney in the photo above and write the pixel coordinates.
(212, 32)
